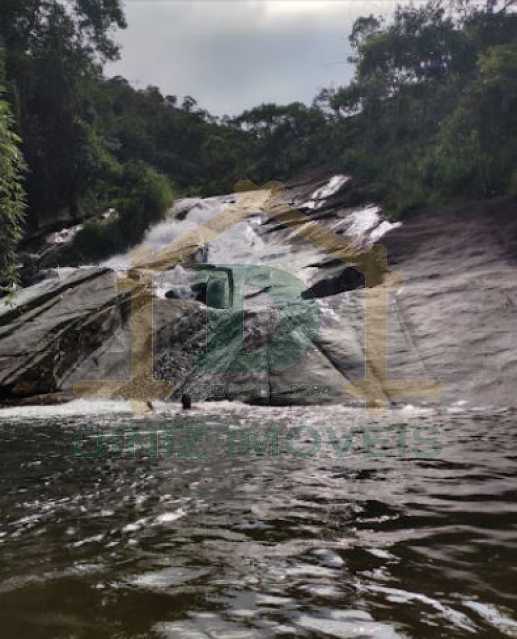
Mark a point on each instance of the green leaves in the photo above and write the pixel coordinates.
(498, 64)
(141, 197)
(147, 196)
(53, 53)
(12, 195)
(431, 113)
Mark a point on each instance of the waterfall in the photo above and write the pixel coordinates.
(248, 242)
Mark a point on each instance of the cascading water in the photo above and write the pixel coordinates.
(248, 242)
(272, 271)
(273, 306)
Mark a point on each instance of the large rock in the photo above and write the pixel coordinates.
(48, 329)
(435, 322)
(458, 297)
(90, 334)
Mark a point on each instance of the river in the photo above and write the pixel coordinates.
(236, 522)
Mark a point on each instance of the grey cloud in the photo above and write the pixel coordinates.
(234, 54)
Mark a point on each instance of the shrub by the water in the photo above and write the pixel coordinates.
(96, 241)
(145, 197)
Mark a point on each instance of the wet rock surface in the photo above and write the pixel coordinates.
(458, 297)
(314, 310)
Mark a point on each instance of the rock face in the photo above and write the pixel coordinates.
(305, 309)
(50, 328)
(458, 296)
(52, 246)
(86, 333)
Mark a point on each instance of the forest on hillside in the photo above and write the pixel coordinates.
(429, 117)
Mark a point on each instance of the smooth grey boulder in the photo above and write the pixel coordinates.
(47, 329)
(62, 335)
(458, 296)
(437, 322)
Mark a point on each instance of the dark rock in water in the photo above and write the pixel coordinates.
(5, 291)
(199, 291)
(348, 280)
(216, 294)
(48, 399)
(179, 293)
(186, 401)
(30, 268)
(201, 255)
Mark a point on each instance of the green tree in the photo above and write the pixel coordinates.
(55, 49)
(12, 195)
(430, 113)
(142, 197)
(286, 139)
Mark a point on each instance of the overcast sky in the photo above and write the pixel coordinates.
(234, 54)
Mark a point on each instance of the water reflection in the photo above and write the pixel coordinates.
(407, 528)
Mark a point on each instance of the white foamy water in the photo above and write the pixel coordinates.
(163, 234)
(77, 407)
(98, 408)
(245, 242)
(332, 187)
(363, 220)
(365, 225)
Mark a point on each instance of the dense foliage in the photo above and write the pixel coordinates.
(432, 111)
(12, 197)
(146, 196)
(197, 151)
(430, 115)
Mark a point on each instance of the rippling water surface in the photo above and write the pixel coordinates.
(235, 522)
